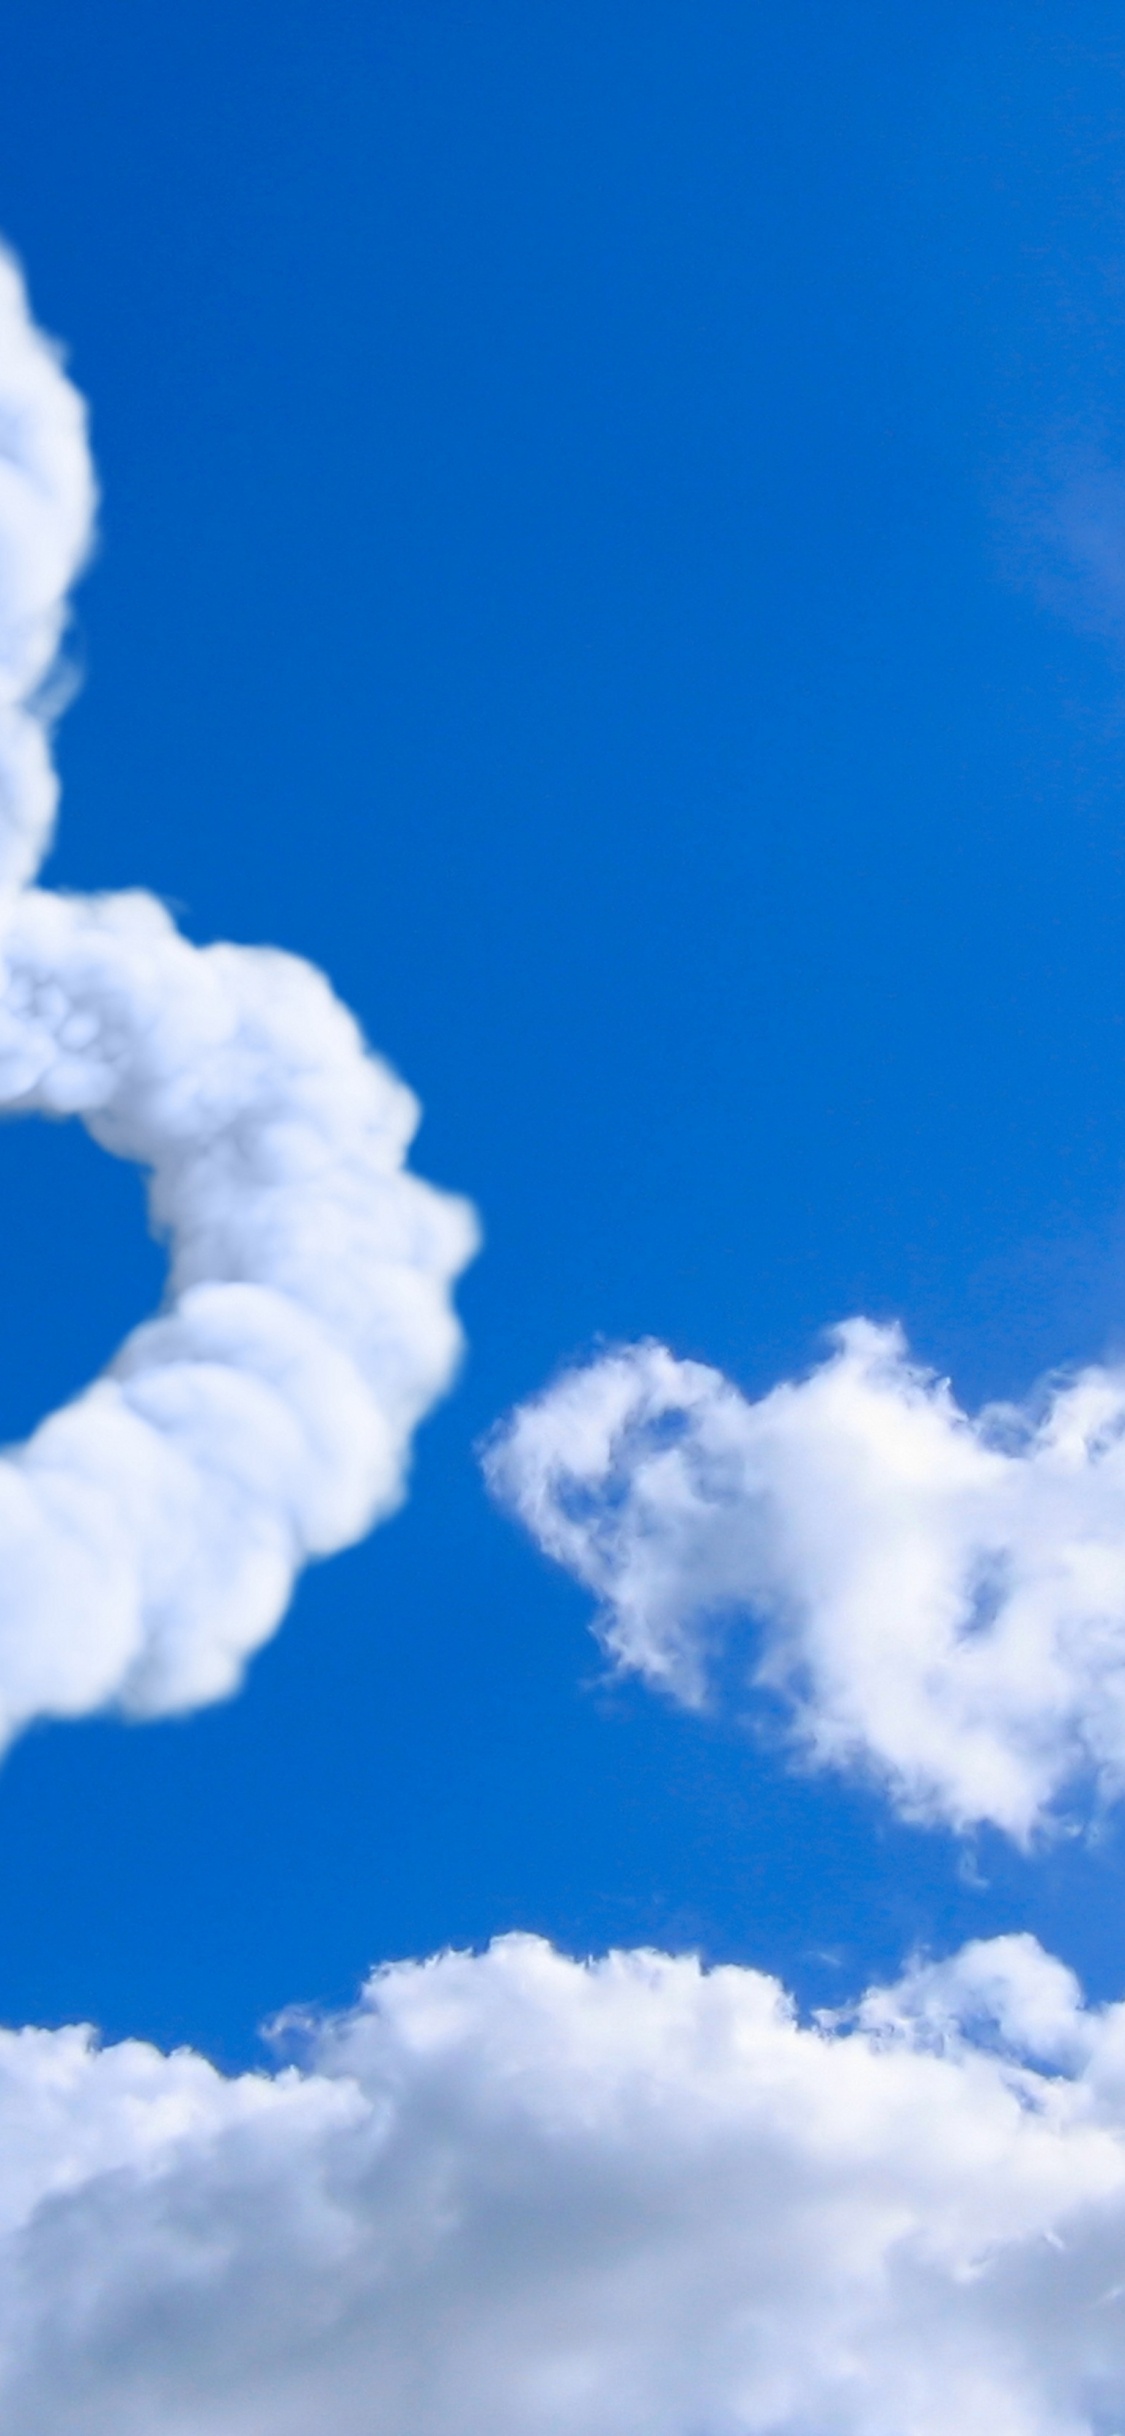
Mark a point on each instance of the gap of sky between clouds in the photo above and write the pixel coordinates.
(583, 560)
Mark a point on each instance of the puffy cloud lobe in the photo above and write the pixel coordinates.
(150, 1532)
(940, 1599)
(628, 2198)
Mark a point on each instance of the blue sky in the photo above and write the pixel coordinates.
(611, 546)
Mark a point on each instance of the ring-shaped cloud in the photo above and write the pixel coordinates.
(150, 1531)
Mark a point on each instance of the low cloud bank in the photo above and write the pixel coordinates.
(151, 1531)
(516, 2193)
(940, 1600)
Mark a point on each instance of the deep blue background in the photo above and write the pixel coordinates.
(573, 564)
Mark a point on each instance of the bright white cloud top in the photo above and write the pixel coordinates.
(941, 1600)
(516, 2193)
(150, 1532)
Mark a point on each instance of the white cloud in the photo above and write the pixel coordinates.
(516, 2193)
(46, 519)
(941, 1599)
(150, 1532)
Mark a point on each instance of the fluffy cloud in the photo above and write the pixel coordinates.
(940, 1599)
(516, 2193)
(46, 519)
(150, 1532)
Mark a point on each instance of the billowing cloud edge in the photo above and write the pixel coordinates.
(630, 2197)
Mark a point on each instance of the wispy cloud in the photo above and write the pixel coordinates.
(151, 1531)
(1064, 536)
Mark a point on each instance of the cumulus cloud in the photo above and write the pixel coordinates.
(941, 1600)
(630, 2198)
(150, 1531)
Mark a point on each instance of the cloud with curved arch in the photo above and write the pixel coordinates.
(151, 1531)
